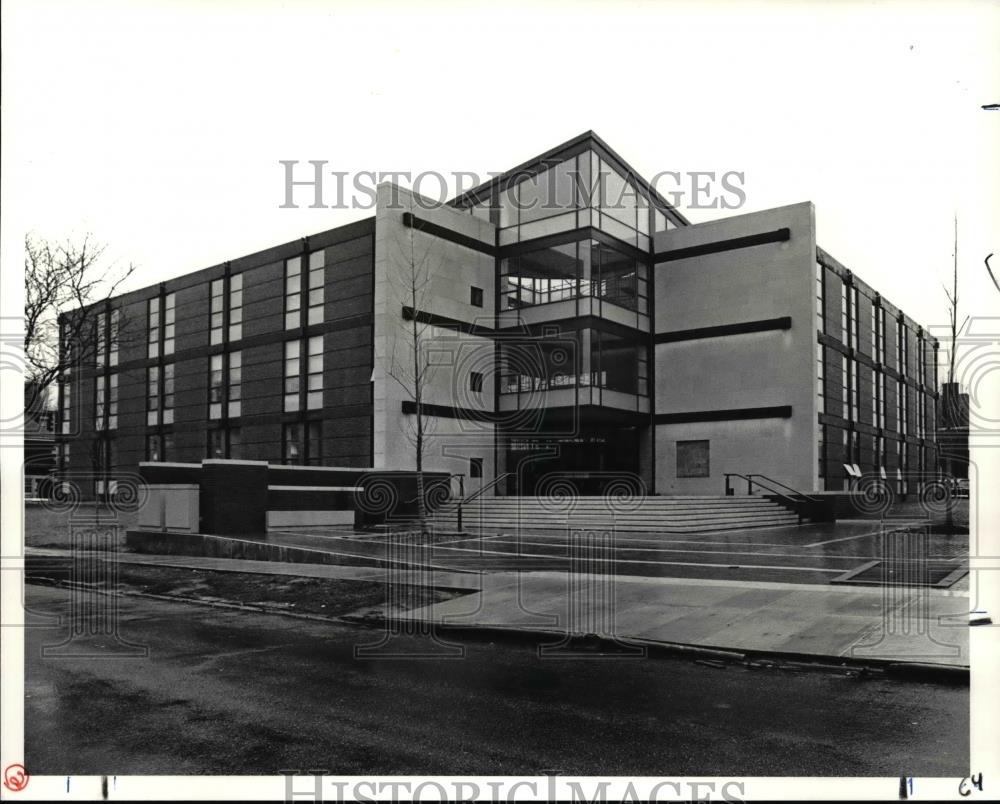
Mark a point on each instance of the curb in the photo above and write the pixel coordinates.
(751, 660)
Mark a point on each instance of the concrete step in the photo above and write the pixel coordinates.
(718, 527)
(605, 513)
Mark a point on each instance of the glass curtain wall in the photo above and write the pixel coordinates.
(574, 270)
(602, 359)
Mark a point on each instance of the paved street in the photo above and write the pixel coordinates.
(235, 692)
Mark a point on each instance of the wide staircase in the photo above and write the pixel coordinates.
(667, 515)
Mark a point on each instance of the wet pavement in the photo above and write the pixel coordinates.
(226, 692)
(814, 553)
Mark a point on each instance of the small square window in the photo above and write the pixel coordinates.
(476, 381)
(692, 459)
(475, 467)
(476, 297)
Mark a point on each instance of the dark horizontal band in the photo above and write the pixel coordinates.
(444, 322)
(449, 412)
(412, 221)
(777, 236)
(764, 325)
(734, 414)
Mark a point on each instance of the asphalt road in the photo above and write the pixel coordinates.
(229, 692)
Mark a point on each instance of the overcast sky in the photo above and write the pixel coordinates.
(159, 127)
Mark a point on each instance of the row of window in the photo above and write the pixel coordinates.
(850, 395)
(226, 310)
(225, 386)
(301, 445)
(850, 327)
(850, 451)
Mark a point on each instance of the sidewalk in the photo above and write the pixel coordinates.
(861, 623)
(908, 624)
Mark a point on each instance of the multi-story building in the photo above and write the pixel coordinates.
(569, 323)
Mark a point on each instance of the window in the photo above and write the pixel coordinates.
(921, 362)
(292, 375)
(820, 296)
(845, 385)
(475, 467)
(855, 320)
(302, 441)
(100, 396)
(100, 339)
(904, 411)
(617, 278)
(879, 390)
(215, 388)
(618, 363)
(692, 459)
(218, 315)
(67, 388)
(168, 393)
(853, 440)
(476, 381)
(844, 337)
(901, 407)
(820, 378)
(317, 263)
(902, 352)
(234, 390)
(878, 334)
(225, 385)
(476, 297)
(293, 292)
(153, 317)
(921, 414)
(855, 398)
(314, 378)
(170, 302)
(236, 307)
(152, 396)
(113, 338)
(224, 442)
(901, 465)
(159, 447)
(564, 272)
(217, 443)
(112, 401)
(103, 459)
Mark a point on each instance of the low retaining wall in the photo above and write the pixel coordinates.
(200, 544)
(290, 520)
(244, 498)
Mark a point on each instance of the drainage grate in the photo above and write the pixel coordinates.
(941, 574)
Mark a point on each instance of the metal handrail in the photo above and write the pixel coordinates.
(750, 481)
(786, 487)
(492, 484)
(479, 493)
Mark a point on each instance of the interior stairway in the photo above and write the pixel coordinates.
(669, 515)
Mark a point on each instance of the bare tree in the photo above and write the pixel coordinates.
(63, 285)
(409, 364)
(952, 297)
